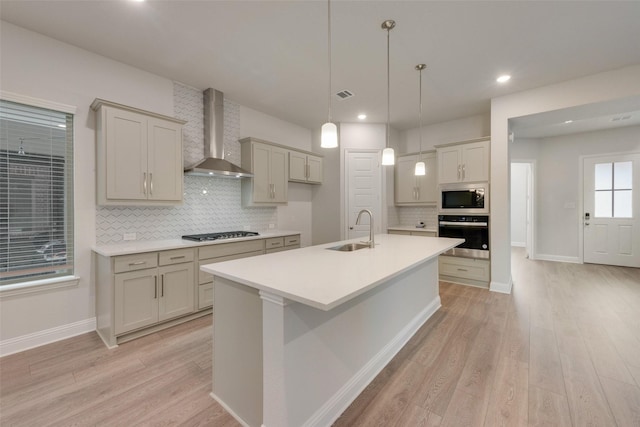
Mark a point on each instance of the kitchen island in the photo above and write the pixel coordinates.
(299, 334)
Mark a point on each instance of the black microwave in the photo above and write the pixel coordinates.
(464, 198)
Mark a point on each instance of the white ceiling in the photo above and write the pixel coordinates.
(272, 55)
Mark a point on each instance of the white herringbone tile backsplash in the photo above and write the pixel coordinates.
(412, 215)
(210, 203)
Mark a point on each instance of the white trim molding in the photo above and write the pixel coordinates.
(340, 401)
(558, 258)
(37, 102)
(38, 286)
(36, 339)
(503, 288)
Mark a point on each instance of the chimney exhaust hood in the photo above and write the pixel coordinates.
(214, 163)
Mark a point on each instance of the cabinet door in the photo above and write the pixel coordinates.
(261, 159)
(405, 180)
(449, 164)
(176, 293)
(165, 167)
(315, 169)
(279, 174)
(475, 157)
(136, 300)
(126, 149)
(427, 184)
(297, 166)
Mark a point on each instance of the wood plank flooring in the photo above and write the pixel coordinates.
(563, 349)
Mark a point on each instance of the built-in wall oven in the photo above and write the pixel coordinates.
(464, 198)
(474, 229)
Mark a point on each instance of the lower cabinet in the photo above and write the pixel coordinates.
(422, 233)
(141, 293)
(468, 271)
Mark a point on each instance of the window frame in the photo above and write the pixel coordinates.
(42, 283)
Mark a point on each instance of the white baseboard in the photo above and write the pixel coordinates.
(503, 288)
(340, 401)
(558, 258)
(36, 339)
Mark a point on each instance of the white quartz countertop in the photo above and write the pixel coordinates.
(323, 278)
(135, 247)
(411, 228)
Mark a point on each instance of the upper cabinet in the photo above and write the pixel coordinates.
(138, 156)
(463, 162)
(416, 190)
(269, 164)
(305, 167)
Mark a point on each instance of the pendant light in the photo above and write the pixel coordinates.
(329, 132)
(421, 169)
(388, 156)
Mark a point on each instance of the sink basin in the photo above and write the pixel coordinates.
(349, 247)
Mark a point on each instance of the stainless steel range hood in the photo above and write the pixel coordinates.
(214, 163)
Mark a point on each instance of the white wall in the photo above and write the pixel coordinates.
(559, 184)
(40, 67)
(442, 133)
(605, 86)
(519, 203)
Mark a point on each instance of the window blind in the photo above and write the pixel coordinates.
(36, 193)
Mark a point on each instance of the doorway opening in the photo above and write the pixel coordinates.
(523, 206)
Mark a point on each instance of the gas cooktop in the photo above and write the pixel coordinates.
(217, 236)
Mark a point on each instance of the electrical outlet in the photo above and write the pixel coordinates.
(272, 226)
(129, 236)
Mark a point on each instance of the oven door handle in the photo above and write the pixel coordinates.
(464, 224)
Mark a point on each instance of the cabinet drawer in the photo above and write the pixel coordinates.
(274, 242)
(225, 249)
(134, 262)
(292, 240)
(176, 256)
(206, 277)
(424, 233)
(205, 295)
(465, 268)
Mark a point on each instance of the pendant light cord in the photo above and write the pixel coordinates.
(388, 90)
(420, 118)
(329, 54)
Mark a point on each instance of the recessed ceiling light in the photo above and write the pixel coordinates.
(566, 122)
(504, 78)
(362, 116)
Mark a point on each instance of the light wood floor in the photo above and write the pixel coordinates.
(563, 349)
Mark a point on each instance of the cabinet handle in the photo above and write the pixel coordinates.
(417, 193)
(162, 285)
(463, 171)
(144, 183)
(274, 243)
(459, 171)
(462, 269)
(155, 287)
(274, 191)
(151, 183)
(177, 257)
(138, 263)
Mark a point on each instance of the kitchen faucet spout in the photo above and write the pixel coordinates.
(371, 241)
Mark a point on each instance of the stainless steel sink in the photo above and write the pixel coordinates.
(349, 247)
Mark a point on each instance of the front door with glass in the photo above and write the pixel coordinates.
(611, 214)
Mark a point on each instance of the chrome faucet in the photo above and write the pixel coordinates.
(371, 241)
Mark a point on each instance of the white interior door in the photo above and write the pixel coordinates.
(364, 189)
(612, 210)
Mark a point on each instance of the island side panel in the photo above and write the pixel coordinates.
(330, 356)
(237, 350)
